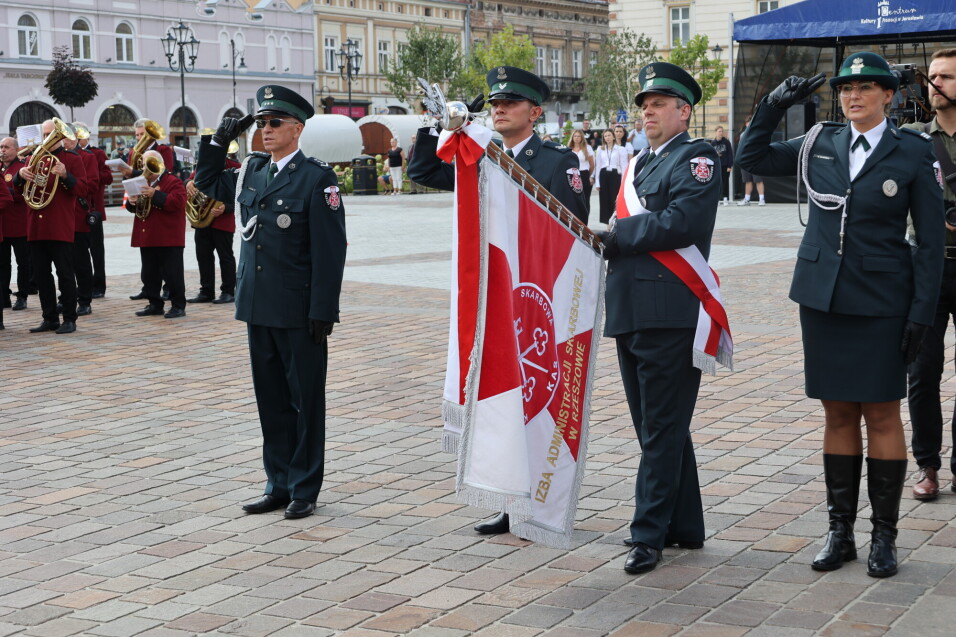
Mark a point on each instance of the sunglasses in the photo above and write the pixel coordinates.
(274, 122)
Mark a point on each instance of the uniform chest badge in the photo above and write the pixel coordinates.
(890, 188)
(332, 197)
(574, 180)
(938, 171)
(284, 221)
(702, 169)
(8, 177)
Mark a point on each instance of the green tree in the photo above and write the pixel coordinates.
(429, 54)
(505, 49)
(69, 83)
(611, 84)
(695, 57)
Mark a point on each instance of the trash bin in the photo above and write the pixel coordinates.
(364, 179)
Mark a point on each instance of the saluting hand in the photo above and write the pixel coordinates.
(793, 89)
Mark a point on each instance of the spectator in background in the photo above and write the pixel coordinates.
(396, 164)
(591, 136)
(620, 138)
(749, 180)
(414, 188)
(637, 138)
(610, 165)
(578, 144)
(726, 153)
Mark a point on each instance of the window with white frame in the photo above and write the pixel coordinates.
(331, 46)
(82, 40)
(224, 51)
(285, 47)
(539, 60)
(576, 62)
(28, 36)
(556, 62)
(680, 25)
(124, 42)
(592, 58)
(384, 55)
(764, 6)
(271, 56)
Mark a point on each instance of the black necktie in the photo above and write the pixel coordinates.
(643, 161)
(860, 141)
(273, 169)
(509, 153)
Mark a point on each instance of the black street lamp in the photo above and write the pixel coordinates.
(181, 38)
(350, 60)
(242, 67)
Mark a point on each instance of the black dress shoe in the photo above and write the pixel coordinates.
(200, 298)
(137, 297)
(83, 310)
(641, 559)
(68, 327)
(151, 310)
(496, 525)
(176, 312)
(684, 544)
(21, 304)
(45, 326)
(265, 504)
(225, 297)
(299, 509)
(99, 295)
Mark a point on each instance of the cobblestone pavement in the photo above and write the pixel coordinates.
(128, 446)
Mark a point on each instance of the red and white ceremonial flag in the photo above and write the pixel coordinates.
(527, 302)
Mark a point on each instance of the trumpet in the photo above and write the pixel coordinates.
(153, 132)
(153, 168)
(40, 192)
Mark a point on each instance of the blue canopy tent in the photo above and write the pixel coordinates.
(816, 35)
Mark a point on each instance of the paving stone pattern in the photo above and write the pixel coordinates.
(128, 447)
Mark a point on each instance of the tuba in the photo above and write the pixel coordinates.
(153, 132)
(153, 167)
(39, 193)
(199, 207)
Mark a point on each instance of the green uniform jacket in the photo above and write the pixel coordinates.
(286, 276)
(878, 274)
(641, 293)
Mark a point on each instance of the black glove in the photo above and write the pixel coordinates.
(609, 239)
(319, 330)
(477, 105)
(230, 128)
(913, 335)
(793, 89)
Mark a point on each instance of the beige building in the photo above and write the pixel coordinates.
(378, 28)
(567, 35)
(671, 21)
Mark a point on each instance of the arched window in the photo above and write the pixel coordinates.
(115, 130)
(28, 37)
(286, 54)
(176, 122)
(240, 45)
(30, 113)
(224, 51)
(82, 40)
(271, 62)
(124, 42)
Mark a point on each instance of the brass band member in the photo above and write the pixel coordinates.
(161, 238)
(14, 224)
(98, 210)
(82, 264)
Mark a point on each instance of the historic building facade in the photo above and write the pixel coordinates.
(243, 44)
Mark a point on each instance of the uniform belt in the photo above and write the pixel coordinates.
(950, 252)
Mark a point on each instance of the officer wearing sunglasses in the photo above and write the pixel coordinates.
(291, 262)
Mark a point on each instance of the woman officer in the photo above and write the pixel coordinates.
(865, 297)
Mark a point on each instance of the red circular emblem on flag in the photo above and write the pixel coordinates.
(332, 197)
(701, 168)
(574, 180)
(537, 348)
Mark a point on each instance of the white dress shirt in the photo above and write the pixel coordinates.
(614, 159)
(858, 157)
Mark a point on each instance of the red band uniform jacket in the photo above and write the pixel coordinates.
(92, 185)
(6, 205)
(165, 227)
(57, 221)
(104, 179)
(13, 223)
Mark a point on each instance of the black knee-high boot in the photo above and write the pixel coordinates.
(842, 474)
(885, 480)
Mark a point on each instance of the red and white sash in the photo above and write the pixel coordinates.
(713, 343)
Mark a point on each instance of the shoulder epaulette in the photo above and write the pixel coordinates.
(555, 146)
(918, 133)
(318, 162)
(259, 153)
(829, 123)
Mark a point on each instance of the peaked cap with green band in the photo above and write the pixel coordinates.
(512, 83)
(279, 100)
(665, 78)
(866, 67)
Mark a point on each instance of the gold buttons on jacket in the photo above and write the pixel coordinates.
(258, 268)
